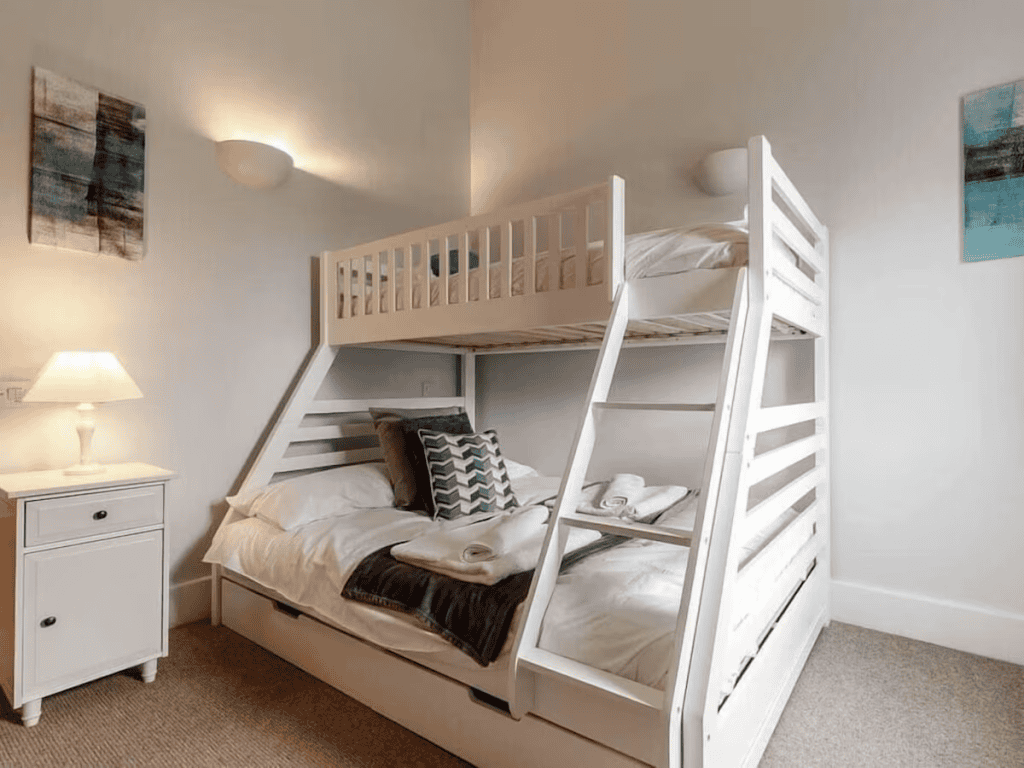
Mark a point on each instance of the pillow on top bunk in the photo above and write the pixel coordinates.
(453, 262)
(305, 499)
(397, 430)
(467, 473)
(699, 246)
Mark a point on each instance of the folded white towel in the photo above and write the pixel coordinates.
(621, 490)
(508, 533)
(444, 551)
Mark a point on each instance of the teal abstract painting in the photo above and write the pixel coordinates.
(993, 139)
(88, 169)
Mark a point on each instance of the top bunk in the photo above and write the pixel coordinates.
(544, 274)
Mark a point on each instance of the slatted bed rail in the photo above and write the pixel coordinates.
(556, 261)
(793, 243)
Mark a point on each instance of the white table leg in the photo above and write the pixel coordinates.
(149, 671)
(31, 711)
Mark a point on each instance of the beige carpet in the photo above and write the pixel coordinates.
(865, 699)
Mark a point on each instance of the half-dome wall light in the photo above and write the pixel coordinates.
(253, 164)
(723, 172)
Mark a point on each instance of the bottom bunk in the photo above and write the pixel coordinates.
(282, 589)
(468, 721)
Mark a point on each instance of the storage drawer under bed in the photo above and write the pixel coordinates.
(406, 692)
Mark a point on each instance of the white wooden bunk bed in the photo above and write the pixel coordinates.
(747, 617)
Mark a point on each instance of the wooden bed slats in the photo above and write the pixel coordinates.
(739, 734)
(767, 419)
(626, 406)
(795, 309)
(763, 516)
(616, 527)
(763, 566)
(772, 599)
(506, 242)
(794, 240)
(333, 459)
(788, 193)
(798, 281)
(772, 462)
(539, 660)
(333, 432)
(353, 406)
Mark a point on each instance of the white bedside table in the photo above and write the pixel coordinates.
(83, 579)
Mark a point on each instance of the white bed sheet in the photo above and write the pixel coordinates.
(615, 610)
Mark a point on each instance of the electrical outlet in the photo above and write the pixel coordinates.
(426, 389)
(11, 392)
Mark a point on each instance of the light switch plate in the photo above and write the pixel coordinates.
(11, 392)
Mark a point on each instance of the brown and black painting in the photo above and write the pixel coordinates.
(88, 168)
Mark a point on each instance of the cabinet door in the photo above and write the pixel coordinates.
(91, 609)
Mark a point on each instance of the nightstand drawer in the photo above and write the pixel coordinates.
(89, 514)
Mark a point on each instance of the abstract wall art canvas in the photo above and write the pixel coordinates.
(993, 141)
(88, 169)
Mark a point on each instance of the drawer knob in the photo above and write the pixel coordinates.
(49, 621)
(99, 515)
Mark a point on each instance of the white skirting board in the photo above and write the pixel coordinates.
(190, 601)
(975, 629)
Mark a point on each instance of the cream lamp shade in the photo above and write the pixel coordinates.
(253, 164)
(723, 172)
(84, 378)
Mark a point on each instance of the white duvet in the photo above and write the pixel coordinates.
(616, 610)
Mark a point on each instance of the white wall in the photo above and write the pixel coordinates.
(370, 96)
(861, 103)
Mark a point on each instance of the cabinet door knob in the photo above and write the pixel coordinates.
(49, 621)
(99, 515)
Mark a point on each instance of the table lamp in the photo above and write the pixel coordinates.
(84, 378)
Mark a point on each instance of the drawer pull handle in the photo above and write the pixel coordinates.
(49, 621)
(99, 515)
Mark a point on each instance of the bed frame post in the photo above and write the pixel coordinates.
(468, 386)
(714, 613)
(823, 426)
(615, 236)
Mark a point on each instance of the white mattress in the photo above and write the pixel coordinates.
(648, 254)
(616, 610)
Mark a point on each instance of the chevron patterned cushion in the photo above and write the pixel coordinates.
(467, 473)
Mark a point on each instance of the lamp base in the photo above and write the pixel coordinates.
(85, 469)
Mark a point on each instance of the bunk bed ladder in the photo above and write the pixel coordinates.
(662, 709)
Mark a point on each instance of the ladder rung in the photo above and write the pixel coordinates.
(656, 406)
(545, 662)
(678, 536)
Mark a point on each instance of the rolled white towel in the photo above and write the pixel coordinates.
(589, 501)
(622, 489)
(506, 535)
(652, 499)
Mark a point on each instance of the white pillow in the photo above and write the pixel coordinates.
(517, 470)
(302, 500)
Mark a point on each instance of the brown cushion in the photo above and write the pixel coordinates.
(397, 430)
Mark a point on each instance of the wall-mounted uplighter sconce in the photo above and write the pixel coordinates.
(253, 164)
(723, 172)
